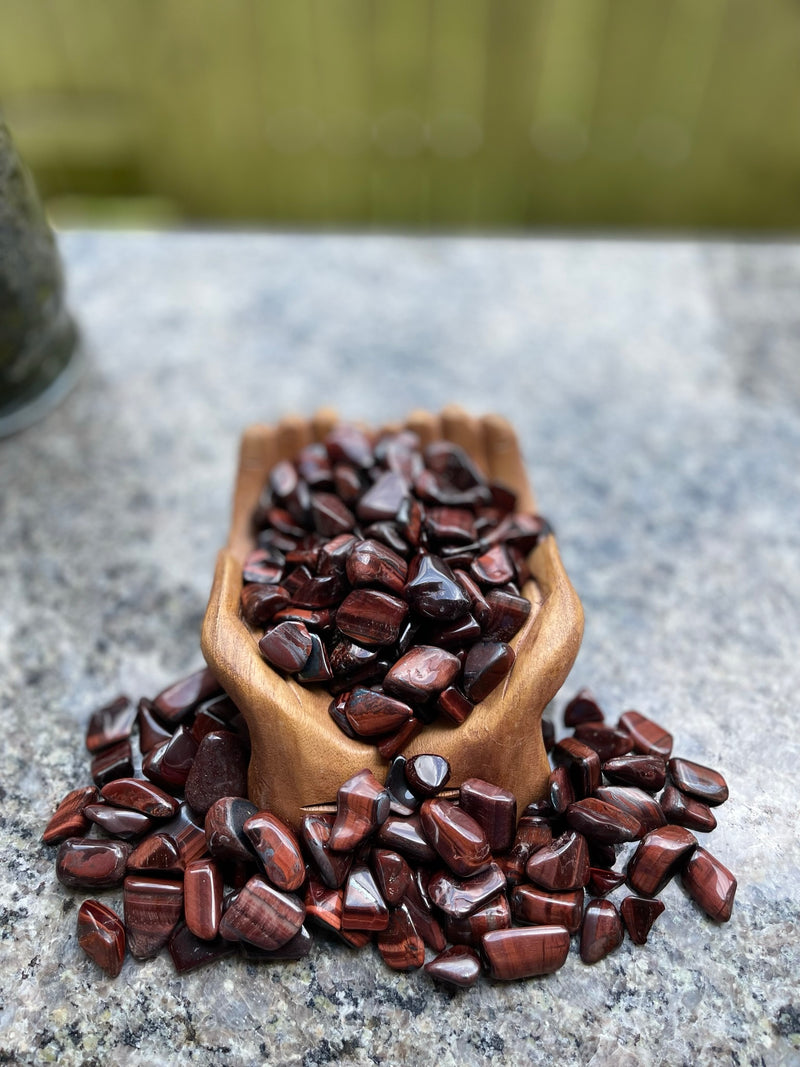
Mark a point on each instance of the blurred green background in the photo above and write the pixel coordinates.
(413, 113)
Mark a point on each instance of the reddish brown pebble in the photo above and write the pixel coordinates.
(486, 665)
(287, 646)
(117, 821)
(372, 563)
(68, 819)
(113, 762)
(224, 829)
(278, 849)
(296, 948)
(110, 724)
(644, 772)
(189, 952)
(432, 590)
(648, 737)
(393, 744)
(686, 811)
(202, 890)
(450, 525)
(392, 874)
(403, 801)
(452, 703)
(635, 803)
(496, 915)
(427, 774)
(582, 708)
(607, 742)
(709, 884)
(400, 945)
(560, 791)
(315, 831)
(334, 554)
(324, 905)
(583, 765)
(348, 444)
(493, 808)
(169, 764)
(494, 567)
(158, 852)
(91, 863)
(219, 770)
(101, 935)
(698, 781)
(523, 953)
(187, 831)
(363, 907)
(151, 731)
(381, 502)
(362, 805)
(421, 673)
(602, 881)
(456, 836)
(152, 909)
(330, 516)
(371, 714)
(420, 909)
(458, 965)
(454, 635)
(479, 606)
(509, 612)
(317, 668)
(459, 897)
(562, 865)
(603, 822)
(404, 833)
(601, 932)
(260, 603)
(529, 904)
(639, 914)
(262, 915)
(659, 856)
(175, 702)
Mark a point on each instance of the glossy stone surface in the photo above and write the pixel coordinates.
(317, 667)
(710, 885)
(260, 603)
(372, 563)
(333, 867)
(116, 761)
(403, 800)
(421, 673)
(151, 731)
(523, 953)
(450, 525)
(110, 724)
(509, 612)
(224, 829)
(702, 783)
(117, 821)
(639, 914)
(603, 822)
(392, 874)
(420, 909)
(560, 791)
(454, 635)
(169, 764)
(156, 854)
(582, 708)
(175, 702)
(363, 907)
(404, 833)
(278, 849)
(153, 908)
(494, 567)
(635, 803)
(262, 915)
(68, 819)
(101, 935)
(188, 952)
(371, 714)
(400, 946)
(458, 966)
(393, 744)
(607, 742)
(479, 606)
(427, 774)
(648, 737)
(432, 590)
(287, 646)
(530, 904)
(644, 772)
(202, 898)
(562, 865)
(186, 829)
(493, 808)
(583, 765)
(331, 517)
(323, 905)
(459, 897)
(685, 811)
(334, 554)
(660, 855)
(486, 665)
(601, 932)
(382, 501)
(362, 805)
(603, 881)
(348, 444)
(91, 863)
(496, 915)
(352, 662)
(456, 836)
(219, 770)
(452, 703)
(371, 616)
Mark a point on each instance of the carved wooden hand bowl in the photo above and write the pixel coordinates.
(300, 756)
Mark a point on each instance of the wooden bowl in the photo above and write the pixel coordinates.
(300, 757)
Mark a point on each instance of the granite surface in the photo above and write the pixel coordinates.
(656, 390)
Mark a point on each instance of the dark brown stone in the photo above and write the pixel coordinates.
(151, 730)
(347, 483)
(310, 591)
(174, 703)
(157, 853)
(602, 881)
(116, 761)
(68, 819)
(403, 800)
(393, 744)
(530, 904)
(371, 714)
(323, 905)
(452, 703)
(363, 907)
(333, 867)
(110, 724)
(382, 501)
(362, 805)
(450, 525)
(633, 802)
(189, 952)
(607, 823)
(458, 966)
(456, 836)
(479, 606)
(523, 953)
(432, 590)
(660, 855)
(219, 770)
(427, 774)
(562, 865)
(169, 764)
(349, 660)
(493, 808)
(698, 781)
(371, 617)
(486, 665)
(262, 915)
(496, 915)
(347, 444)
(648, 737)
(260, 603)
(709, 884)
(287, 646)
(509, 612)
(392, 874)
(202, 898)
(91, 863)
(404, 833)
(314, 466)
(278, 849)
(317, 668)
(644, 772)
(607, 742)
(400, 946)
(334, 554)
(519, 531)
(455, 635)
(639, 914)
(224, 829)
(686, 811)
(101, 935)
(583, 765)
(560, 791)
(320, 619)
(582, 708)
(420, 909)
(153, 908)
(494, 567)
(296, 948)
(601, 932)
(330, 516)
(422, 673)
(260, 566)
(117, 821)
(459, 897)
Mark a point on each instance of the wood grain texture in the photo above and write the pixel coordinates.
(300, 757)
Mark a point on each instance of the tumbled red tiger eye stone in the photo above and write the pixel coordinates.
(68, 819)
(153, 908)
(400, 946)
(639, 914)
(175, 702)
(363, 907)
(202, 891)
(659, 856)
(486, 665)
(530, 904)
(287, 646)
(101, 935)
(262, 915)
(363, 804)
(562, 865)
(278, 849)
(110, 724)
(648, 737)
(686, 811)
(702, 783)
(456, 836)
(459, 897)
(602, 931)
(523, 953)
(92, 863)
(458, 965)
(421, 673)
(140, 795)
(493, 808)
(709, 884)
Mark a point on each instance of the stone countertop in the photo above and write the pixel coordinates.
(656, 390)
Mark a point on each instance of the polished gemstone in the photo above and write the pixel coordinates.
(709, 884)
(530, 904)
(456, 836)
(521, 531)
(648, 737)
(310, 591)
(533, 831)
(349, 660)
(336, 712)
(452, 464)
(363, 907)
(283, 478)
(389, 534)
(422, 673)
(450, 525)
(169, 764)
(319, 619)
(410, 519)
(458, 965)
(348, 483)
(188, 952)
(639, 914)
(432, 589)
(479, 606)
(698, 781)
(323, 905)
(583, 765)
(314, 466)
(459, 897)
(68, 820)
(296, 948)
(582, 708)
(317, 668)
(602, 881)
(331, 517)
(371, 617)
(110, 724)
(156, 853)
(644, 772)
(403, 800)
(202, 898)
(660, 855)
(560, 790)
(404, 833)
(282, 520)
(562, 865)
(174, 703)
(91, 863)
(101, 935)
(400, 452)
(639, 805)
(420, 909)
(601, 932)
(260, 566)
(262, 915)
(486, 665)
(260, 603)
(509, 612)
(382, 500)
(605, 740)
(334, 554)
(452, 703)
(496, 915)
(494, 567)
(117, 821)
(686, 811)
(219, 770)
(392, 874)
(607, 823)
(371, 714)
(394, 743)
(224, 829)
(427, 774)
(523, 953)
(362, 805)
(493, 808)
(116, 761)
(400, 946)
(347, 444)
(333, 867)
(151, 731)
(287, 646)
(278, 849)
(153, 907)
(454, 635)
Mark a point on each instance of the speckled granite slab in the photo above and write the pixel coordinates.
(656, 390)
